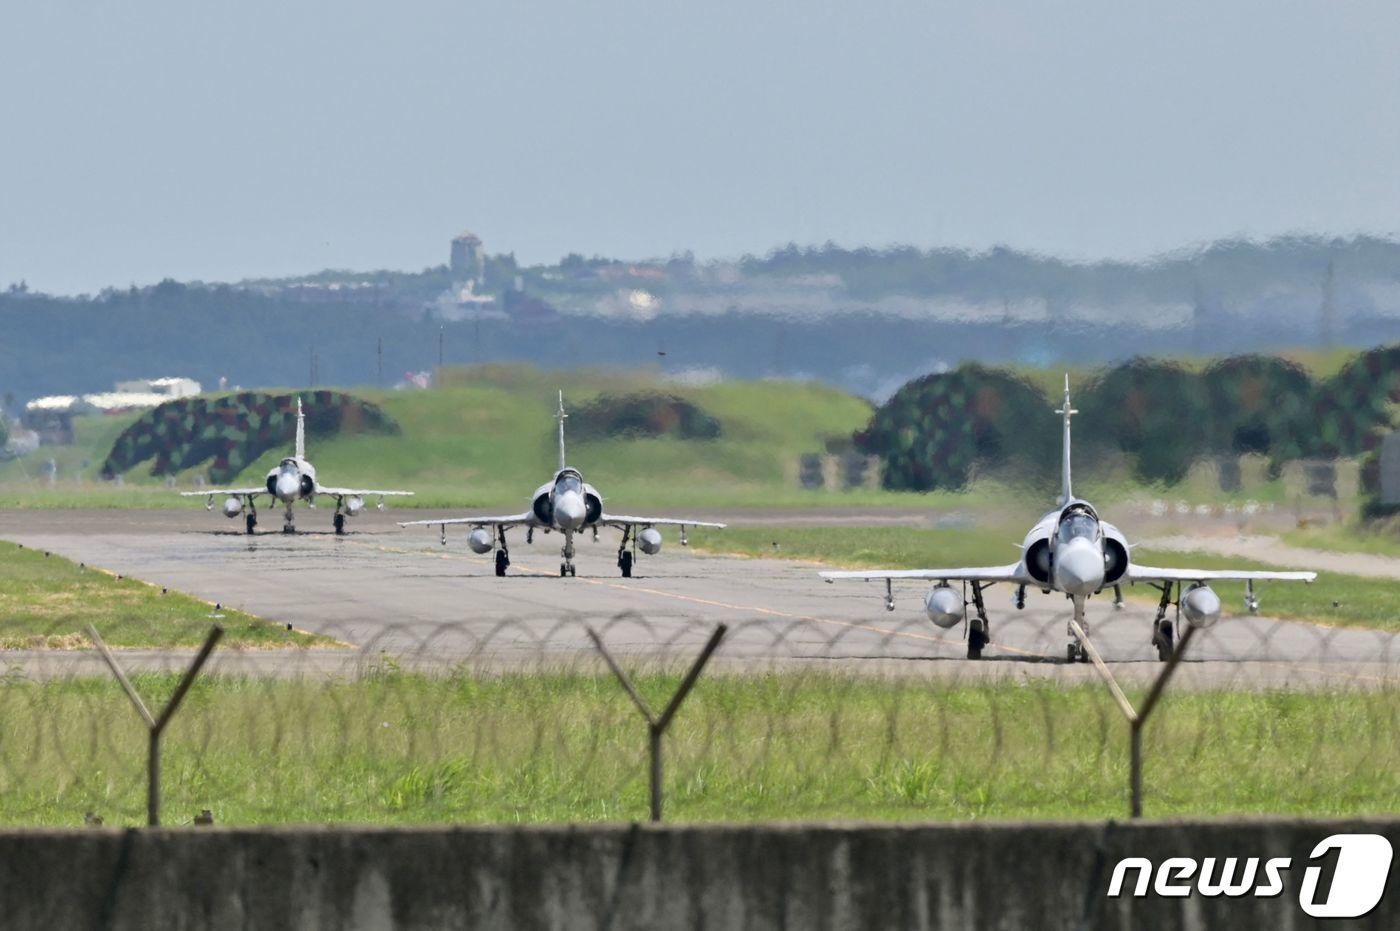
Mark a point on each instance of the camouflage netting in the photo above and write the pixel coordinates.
(635, 415)
(1354, 411)
(1357, 402)
(1163, 416)
(1259, 404)
(936, 429)
(231, 432)
(1154, 411)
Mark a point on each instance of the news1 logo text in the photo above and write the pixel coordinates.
(1344, 876)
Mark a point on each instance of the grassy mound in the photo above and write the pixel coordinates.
(46, 602)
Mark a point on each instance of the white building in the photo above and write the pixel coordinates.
(167, 388)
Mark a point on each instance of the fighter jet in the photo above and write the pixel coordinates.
(569, 505)
(293, 480)
(1071, 550)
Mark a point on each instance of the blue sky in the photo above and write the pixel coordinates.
(192, 139)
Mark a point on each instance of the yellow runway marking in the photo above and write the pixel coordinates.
(772, 612)
(754, 609)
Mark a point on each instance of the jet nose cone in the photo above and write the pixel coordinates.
(1079, 568)
(288, 485)
(569, 511)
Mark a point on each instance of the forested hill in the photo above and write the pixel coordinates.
(866, 320)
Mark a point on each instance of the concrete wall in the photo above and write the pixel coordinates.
(620, 876)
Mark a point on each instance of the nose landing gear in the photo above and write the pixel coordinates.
(1076, 652)
(566, 568)
(289, 521)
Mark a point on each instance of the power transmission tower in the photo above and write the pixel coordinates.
(1328, 322)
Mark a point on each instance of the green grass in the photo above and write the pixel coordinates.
(47, 601)
(489, 443)
(486, 438)
(549, 747)
(869, 547)
(1379, 539)
(1334, 599)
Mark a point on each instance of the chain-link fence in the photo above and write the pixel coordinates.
(616, 718)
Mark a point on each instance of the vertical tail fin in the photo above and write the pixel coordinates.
(561, 417)
(301, 432)
(1066, 411)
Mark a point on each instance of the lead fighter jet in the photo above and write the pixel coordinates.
(1071, 550)
(568, 505)
(293, 480)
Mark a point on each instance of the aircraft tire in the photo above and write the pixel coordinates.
(339, 523)
(1163, 641)
(250, 521)
(976, 640)
(501, 562)
(624, 562)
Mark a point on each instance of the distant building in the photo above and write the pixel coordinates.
(52, 417)
(468, 259)
(166, 387)
(525, 308)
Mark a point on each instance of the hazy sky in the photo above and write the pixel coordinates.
(194, 139)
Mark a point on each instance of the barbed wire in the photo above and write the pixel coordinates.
(525, 720)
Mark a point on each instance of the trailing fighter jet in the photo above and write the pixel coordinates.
(293, 480)
(568, 505)
(1071, 550)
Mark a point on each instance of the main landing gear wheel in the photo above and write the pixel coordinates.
(339, 523)
(250, 521)
(624, 562)
(976, 640)
(977, 631)
(1162, 640)
(1075, 653)
(502, 560)
(566, 570)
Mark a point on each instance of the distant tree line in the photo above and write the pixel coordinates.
(936, 430)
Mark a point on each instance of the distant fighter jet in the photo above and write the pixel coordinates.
(294, 479)
(1071, 550)
(569, 505)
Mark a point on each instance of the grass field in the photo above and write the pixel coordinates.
(488, 438)
(1379, 539)
(485, 438)
(47, 601)
(1336, 600)
(403, 748)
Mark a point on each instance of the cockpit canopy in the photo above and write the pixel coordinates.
(1078, 522)
(568, 480)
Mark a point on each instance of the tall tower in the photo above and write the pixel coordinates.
(1328, 323)
(468, 261)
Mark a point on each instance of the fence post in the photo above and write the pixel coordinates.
(155, 727)
(657, 725)
(1137, 719)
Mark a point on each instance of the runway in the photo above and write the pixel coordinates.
(400, 593)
